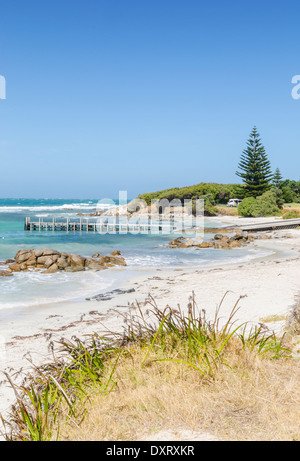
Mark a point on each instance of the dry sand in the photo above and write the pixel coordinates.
(268, 287)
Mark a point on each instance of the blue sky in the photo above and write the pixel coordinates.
(109, 95)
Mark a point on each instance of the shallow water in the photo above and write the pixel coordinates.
(140, 251)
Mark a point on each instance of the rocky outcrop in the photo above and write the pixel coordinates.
(219, 241)
(50, 261)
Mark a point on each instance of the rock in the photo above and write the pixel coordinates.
(76, 260)
(93, 264)
(206, 245)
(219, 241)
(5, 274)
(176, 242)
(15, 267)
(109, 295)
(113, 260)
(48, 252)
(22, 257)
(20, 253)
(49, 262)
(43, 259)
(9, 261)
(52, 269)
(218, 236)
(62, 262)
(74, 269)
(53, 261)
(30, 262)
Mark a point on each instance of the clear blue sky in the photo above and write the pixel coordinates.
(141, 95)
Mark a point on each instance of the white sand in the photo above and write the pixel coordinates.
(268, 287)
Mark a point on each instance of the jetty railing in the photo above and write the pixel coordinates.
(105, 225)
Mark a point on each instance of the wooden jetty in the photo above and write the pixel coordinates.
(269, 226)
(101, 225)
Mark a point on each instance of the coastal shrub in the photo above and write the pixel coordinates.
(267, 204)
(278, 196)
(248, 207)
(264, 205)
(220, 193)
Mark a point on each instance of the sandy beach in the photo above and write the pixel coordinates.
(267, 286)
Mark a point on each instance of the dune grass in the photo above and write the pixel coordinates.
(224, 210)
(169, 369)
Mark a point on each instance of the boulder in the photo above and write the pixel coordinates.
(49, 252)
(44, 260)
(22, 257)
(76, 260)
(30, 262)
(51, 270)
(112, 260)
(206, 245)
(53, 261)
(15, 267)
(74, 269)
(5, 273)
(62, 262)
(94, 264)
(219, 241)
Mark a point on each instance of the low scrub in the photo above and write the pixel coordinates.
(293, 214)
(264, 205)
(168, 369)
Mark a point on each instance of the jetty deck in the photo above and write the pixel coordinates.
(102, 225)
(269, 226)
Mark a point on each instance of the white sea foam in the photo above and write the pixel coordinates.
(194, 259)
(65, 207)
(36, 289)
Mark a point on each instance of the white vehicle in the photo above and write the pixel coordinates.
(234, 202)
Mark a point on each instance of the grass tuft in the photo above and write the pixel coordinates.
(134, 379)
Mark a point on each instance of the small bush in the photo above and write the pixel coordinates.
(267, 204)
(264, 205)
(248, 207)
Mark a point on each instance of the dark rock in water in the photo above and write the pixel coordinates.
(110, 295)
(218, 237)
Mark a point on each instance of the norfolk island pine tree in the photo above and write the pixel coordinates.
(254, 167)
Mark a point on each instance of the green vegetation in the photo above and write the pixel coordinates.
(158, 347)
(218, 193)
(254, 167)
(211, 193)
(264, 193)
(264, 205)
(277, 179)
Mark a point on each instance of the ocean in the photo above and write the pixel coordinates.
(140, 251)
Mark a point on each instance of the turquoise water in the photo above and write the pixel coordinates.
(140, 251)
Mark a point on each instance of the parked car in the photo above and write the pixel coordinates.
(234, 202)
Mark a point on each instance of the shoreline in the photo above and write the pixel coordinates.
(268, 284)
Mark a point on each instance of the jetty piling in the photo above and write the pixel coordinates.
(101, 225)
